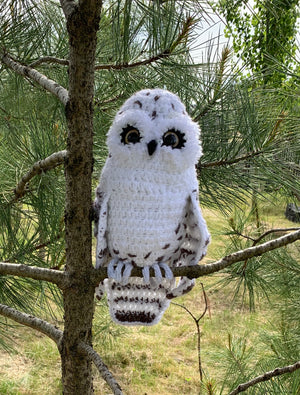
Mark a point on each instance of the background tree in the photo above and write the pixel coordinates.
(64, 72)
(263, 34)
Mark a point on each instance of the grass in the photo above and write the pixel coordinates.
(154, 360)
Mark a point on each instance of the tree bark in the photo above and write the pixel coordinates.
(82, 25)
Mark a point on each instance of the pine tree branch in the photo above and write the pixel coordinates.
(270, 231)
(228, 162)
(202, 270)
(182, 36)
(165, 54)
(33, 322)
(26, 71)
(48, 163)
(37, 273)
(266, 376)
(49, 59)
(102, 368)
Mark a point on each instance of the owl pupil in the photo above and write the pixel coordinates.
(170, 139)
(173, 138)
(130, 135)
(133, 137)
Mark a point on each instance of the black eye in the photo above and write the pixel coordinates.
(174, 138)
(130, 135)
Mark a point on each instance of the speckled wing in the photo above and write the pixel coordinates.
(194, 241)
(100, 229)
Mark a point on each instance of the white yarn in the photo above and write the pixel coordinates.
(148, 207)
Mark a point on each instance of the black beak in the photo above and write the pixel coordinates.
(151, 147)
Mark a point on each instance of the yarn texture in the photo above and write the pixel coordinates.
(147, 206)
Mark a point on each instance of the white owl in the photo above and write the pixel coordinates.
(147, 208)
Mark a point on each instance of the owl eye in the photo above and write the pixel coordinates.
(174, 138)
(130, 135)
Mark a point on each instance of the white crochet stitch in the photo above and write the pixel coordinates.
(147, 208)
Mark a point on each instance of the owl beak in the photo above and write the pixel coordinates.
(151, 147)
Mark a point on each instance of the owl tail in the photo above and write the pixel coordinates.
(137, 302)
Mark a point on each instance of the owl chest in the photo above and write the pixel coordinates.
(143, 217)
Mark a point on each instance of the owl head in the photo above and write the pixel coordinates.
(152, 130)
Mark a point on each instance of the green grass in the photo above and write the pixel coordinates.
(154, 360)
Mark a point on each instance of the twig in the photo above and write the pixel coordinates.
(197, 320)
(266, 376)
(256, 241)
(228, 162)
(42, 80)
(37, 273)
(102, 368)
(33, 322)
(203, 270)
(49, 59)
(164, 54)
(48, 163)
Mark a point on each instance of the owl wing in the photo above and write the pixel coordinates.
(194, 242)
(100, 229)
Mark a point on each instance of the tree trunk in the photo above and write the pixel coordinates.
(82, 27)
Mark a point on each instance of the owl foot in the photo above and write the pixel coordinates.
(119, 270)
(157, 271)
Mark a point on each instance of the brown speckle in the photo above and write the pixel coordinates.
(177, 229)
(156, 97)
(173, 106)
(159, 259)
(180, 238)
(116, 251)
(147, 255)
(207, 242)
(131, 255)
(166, 246)
(138, 103)
(154, 114)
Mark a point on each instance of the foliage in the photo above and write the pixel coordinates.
(263, 36)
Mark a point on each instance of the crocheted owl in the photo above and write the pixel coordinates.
(146, 207)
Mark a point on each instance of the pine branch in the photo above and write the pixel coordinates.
(270, 231)
(26, 71)
(182, 36)
(37, 273)
(266, 376)
(49, 59)
(102, 368)
(48, 163)
(228, 162)
(162, 55)
(203, 270)
(33, 322)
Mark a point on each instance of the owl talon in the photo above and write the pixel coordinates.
(157, 272)
(119, 270)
